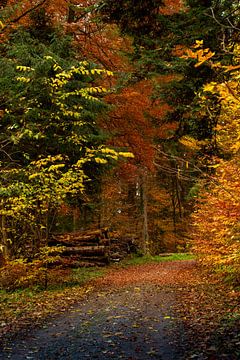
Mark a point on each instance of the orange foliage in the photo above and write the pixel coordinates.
(171, 7)
(96, 41)
(135, 121)
(179, 50)
(104, 45)
(167, 130)
(216, 221)
(20, 12)
(129, 124)
(56, 9)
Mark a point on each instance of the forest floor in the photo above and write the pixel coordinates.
(168, 310)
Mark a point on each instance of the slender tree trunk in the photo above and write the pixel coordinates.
(145, 233)
(179, 198)
(174, 205)
(4, 246)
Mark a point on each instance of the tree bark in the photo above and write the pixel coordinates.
(174, 205)
(4, 246)
(145, 233)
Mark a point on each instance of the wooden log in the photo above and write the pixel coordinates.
(79, 264)
(85, 250)
(70, 239)
(92, 257)
(103, 233)
(73, 242)
(102, 258)
(76, 237)
(87, 247)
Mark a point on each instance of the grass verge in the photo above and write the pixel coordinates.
(141, 260)
(22, 307)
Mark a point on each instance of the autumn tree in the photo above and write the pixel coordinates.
(50, 143)
(217, 241)
(162, 31)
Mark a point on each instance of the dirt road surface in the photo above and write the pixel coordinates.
(132, 314)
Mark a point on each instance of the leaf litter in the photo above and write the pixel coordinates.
(152, 311)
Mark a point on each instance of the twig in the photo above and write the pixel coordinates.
(211, 178)
(13, 21)
(222, 25)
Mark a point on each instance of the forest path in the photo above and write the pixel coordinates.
(133, 314)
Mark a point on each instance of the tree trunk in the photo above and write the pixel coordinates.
(4, 244)
(145, 233)
(179, 198)
(174, 205)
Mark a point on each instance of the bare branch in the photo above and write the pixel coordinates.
(196, 168)
(230, 26)
(9, 156)
(13, 21)
(233, 26)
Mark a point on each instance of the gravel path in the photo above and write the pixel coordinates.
(130, 319)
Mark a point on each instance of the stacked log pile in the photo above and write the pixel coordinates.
(121, 246)
(88, 248)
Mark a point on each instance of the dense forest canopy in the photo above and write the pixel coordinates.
(122, 115)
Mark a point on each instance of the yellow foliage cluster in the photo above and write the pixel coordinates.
(190, 142)
(32, 192)
(216, 220)
(198, 53)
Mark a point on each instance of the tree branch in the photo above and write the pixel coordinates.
(13, 21)
(230, 26)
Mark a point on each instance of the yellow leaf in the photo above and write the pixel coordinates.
(231, 68)
(198, 44)
(126, 154)
(210, 87)
(100, 161)
(214, 166)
